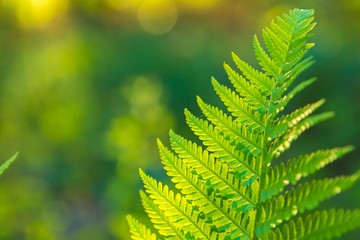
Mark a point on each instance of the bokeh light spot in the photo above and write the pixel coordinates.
(199, 4)
(124, 5)
(157, 16)
(37, 13)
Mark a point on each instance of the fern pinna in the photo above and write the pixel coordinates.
(7, 163)
(229, 187)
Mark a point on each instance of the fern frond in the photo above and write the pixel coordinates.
(259, 79)
(283, 143)
(326, 224)
(247, 90)
(287, 38)
(288, 121)
(268, 65)
(293, 73)
(226, 148)
(297, 89)
(239, 108)
(236, 193)
(304, 197)
(227, 186)
(197, 189)
(161, 222)
(293, 170)
(176, 208)
(286, 41)
(215, 173)
(235, 130)
(276, 46)
(139, 231)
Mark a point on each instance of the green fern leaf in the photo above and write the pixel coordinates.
(176, 208)
(297, 89)
(231, 129)
(162, 223)
(139, 231)
(264, 83)
(286, 122)
(304, 197)
(215, 173)
(7, 163)
(281, 175)
(318, 226)
(244, 112)
(228, 187)
(224, 146)
(283, 143)
(247, 90)
(267, 64)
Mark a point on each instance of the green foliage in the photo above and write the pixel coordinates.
(6, 164)
(139, 231)
(231, 187)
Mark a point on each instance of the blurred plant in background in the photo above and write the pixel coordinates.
(130, 139)
(87, 86)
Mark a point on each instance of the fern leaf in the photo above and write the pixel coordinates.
(293, 73)
(214, 172)
(176, 208)
(239, 108)
(139, 231)
(289, 121)
(276, 45)
(248, 91)
(191, 182)
(264, 83)
(6, 164)
(272, 49)
(228, 127)
(281, 175)
(227, 187)
(225, 148)
(304, 197)
(286, 41)
(326, 224)
(267, 64)
(283, 143)
(161, 222)
(288, 97)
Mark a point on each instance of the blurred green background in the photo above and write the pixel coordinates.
(87, 86)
